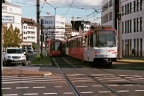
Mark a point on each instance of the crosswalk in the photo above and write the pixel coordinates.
(34, 79)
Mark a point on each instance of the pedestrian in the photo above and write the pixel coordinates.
(133, 52)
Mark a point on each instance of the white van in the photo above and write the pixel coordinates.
(15, 56)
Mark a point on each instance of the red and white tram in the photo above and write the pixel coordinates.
(98, 46)
(55, 47)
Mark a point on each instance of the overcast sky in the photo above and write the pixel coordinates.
(82, 9)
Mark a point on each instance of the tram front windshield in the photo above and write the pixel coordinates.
(56, 46)
(105, 38)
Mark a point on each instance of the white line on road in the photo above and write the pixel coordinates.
(139, 90)
(40, 87)
(129, 85)
(81, 86)
(10, 94)
(6, 88)
(24, 82)
(113, 85)
(58, 86)
(123, 91)
(68, 93)
(30, 94)
(49, 93)
(97, 85)
(87, 92)
(21, 87)
(104, 91)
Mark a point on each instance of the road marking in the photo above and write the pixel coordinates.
(23, 82)
(81, 86)
(97, 85)
(139, 90)
(21, 87)
(40, 87)
(129, 85)
(113, 85)
(123, 91)
(6, 88)
(104, 91)
(87, 92)
(58, 86)
(116, 78)
(10, 94)
(68, 93)
(49, 93)
(30, 94)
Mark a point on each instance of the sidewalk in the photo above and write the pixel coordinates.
(132, 60)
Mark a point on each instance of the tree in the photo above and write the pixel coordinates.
(34, 45)
(11, 37)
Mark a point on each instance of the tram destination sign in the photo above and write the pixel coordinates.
(7, 19)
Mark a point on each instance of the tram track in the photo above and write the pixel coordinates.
(132, 82)
(88, 75)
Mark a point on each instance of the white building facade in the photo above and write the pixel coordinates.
(132, 24)
(29, 32)
(54, 27)
(11, 14)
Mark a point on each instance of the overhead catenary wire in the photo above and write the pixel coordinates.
(69, 8)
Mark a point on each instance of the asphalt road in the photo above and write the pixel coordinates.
(56, 84)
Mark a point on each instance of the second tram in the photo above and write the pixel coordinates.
(55, 47)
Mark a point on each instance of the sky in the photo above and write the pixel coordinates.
(87, 10)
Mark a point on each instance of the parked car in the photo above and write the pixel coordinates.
(15, 56)
(26, 53)
(30, 50)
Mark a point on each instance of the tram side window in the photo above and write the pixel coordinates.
(86, 41)
(83, 42)
(88, 44)
(91, 40)
(77, 42)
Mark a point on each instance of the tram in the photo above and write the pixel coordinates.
(55, 47)
(97, 46)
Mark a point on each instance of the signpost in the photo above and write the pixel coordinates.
(7, 19)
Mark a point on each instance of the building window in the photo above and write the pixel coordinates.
(134, 6)
(137, 24)
(125, 10)
(130, 7)
(10, 9)
(130, 25)
(122, 27)
(137, 5)
(110, 16)
(141, 3)
(110, 3)
(122, 10)
(4, 7)
(134, 26)
(141, 24)
(125, 27)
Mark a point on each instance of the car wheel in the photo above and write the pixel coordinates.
(24, 64)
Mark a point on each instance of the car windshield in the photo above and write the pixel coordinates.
(14, 51)
(24, 50)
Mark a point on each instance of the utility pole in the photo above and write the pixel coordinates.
(119, 18)
(46, 45)
(38, 26)
(41, 37)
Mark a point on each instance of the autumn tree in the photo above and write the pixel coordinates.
(11, 37)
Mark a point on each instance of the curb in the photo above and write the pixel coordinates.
(131, 62)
